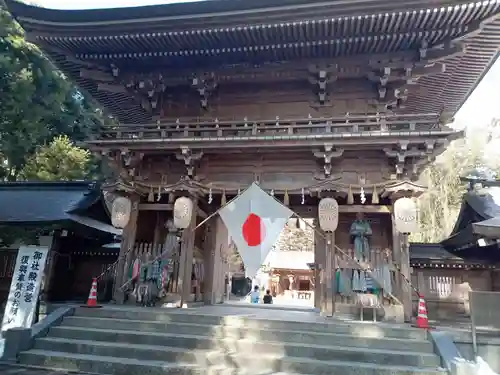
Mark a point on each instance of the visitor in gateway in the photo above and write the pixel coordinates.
(255, 295)
(268, 298)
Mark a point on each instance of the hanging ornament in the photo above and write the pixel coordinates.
(350, 197)
(303, 196)
(151, 196)
(210, 198)
(272, 192)
(286, 198)
(362, 195)
(171, 198)
(223, 198)
(375, 199)
(158, 196)
(239, 191)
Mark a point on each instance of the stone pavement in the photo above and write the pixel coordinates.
(19, 370)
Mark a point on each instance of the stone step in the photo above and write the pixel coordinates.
(149, 317)
(265, 351)
(209, 342)
(126, 366)
(104, 365)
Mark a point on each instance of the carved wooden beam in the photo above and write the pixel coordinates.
(409, 73)
(204, 84)
(403, 188)
(190, 159)
(327, 154)
(320, 77)
(125, 162)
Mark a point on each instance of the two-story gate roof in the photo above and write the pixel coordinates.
(102, 49)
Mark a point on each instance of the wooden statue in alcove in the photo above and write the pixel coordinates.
(360, 236)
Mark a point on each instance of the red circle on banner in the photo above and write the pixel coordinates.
(253, 230)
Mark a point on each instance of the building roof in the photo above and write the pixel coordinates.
(421, 255)
(478, 215)
(53, 203)
(290, 260)
(431, 251)
(434, 255)
(203, 35)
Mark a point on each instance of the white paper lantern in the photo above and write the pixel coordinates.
(120, 212)
(405, 214)
(183, 210)
(328, 214)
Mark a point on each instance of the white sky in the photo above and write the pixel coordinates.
(482, 106)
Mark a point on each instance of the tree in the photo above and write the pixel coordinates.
(440, 205)
(60, 160)
(37, 102)
(296, 237)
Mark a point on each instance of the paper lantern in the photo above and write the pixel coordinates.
(183, 210)
(405, 214)
(328, 214)
(120, 212)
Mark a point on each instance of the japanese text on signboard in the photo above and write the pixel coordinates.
(25, 287)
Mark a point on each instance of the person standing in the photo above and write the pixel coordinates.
(255, 295)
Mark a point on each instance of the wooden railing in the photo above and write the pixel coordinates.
(345, 261)
(203, 128)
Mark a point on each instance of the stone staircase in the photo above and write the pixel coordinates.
(153, 342)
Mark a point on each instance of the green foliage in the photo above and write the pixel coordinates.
(59, 161)
(440, 205)
(37, 102)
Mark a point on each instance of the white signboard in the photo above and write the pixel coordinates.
(25, 287)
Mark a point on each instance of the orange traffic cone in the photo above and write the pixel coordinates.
(92, 300)
(422, 320)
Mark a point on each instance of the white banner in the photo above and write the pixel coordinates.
(254, 220)
(25, 287)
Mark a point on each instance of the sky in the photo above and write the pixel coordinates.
(481, 107)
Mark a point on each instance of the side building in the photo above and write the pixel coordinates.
(72, 219)
(469, 259)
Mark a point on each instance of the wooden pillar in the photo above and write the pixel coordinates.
(53, 243)
(319, 260)
(401, 255)
(126, 250)
(330, 269)
(159, 234)
(405, 270)
(396, 257)
(221, 242)
(186, 261)
(208, 259)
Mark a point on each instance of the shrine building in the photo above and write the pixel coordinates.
(310, 99)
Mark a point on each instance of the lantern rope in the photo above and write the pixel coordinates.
(186, 184)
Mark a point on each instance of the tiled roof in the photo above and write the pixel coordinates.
(44, 202)
(486, 202)
(204, 34)
(431, 251)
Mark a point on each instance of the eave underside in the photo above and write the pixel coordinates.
(149, 44)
